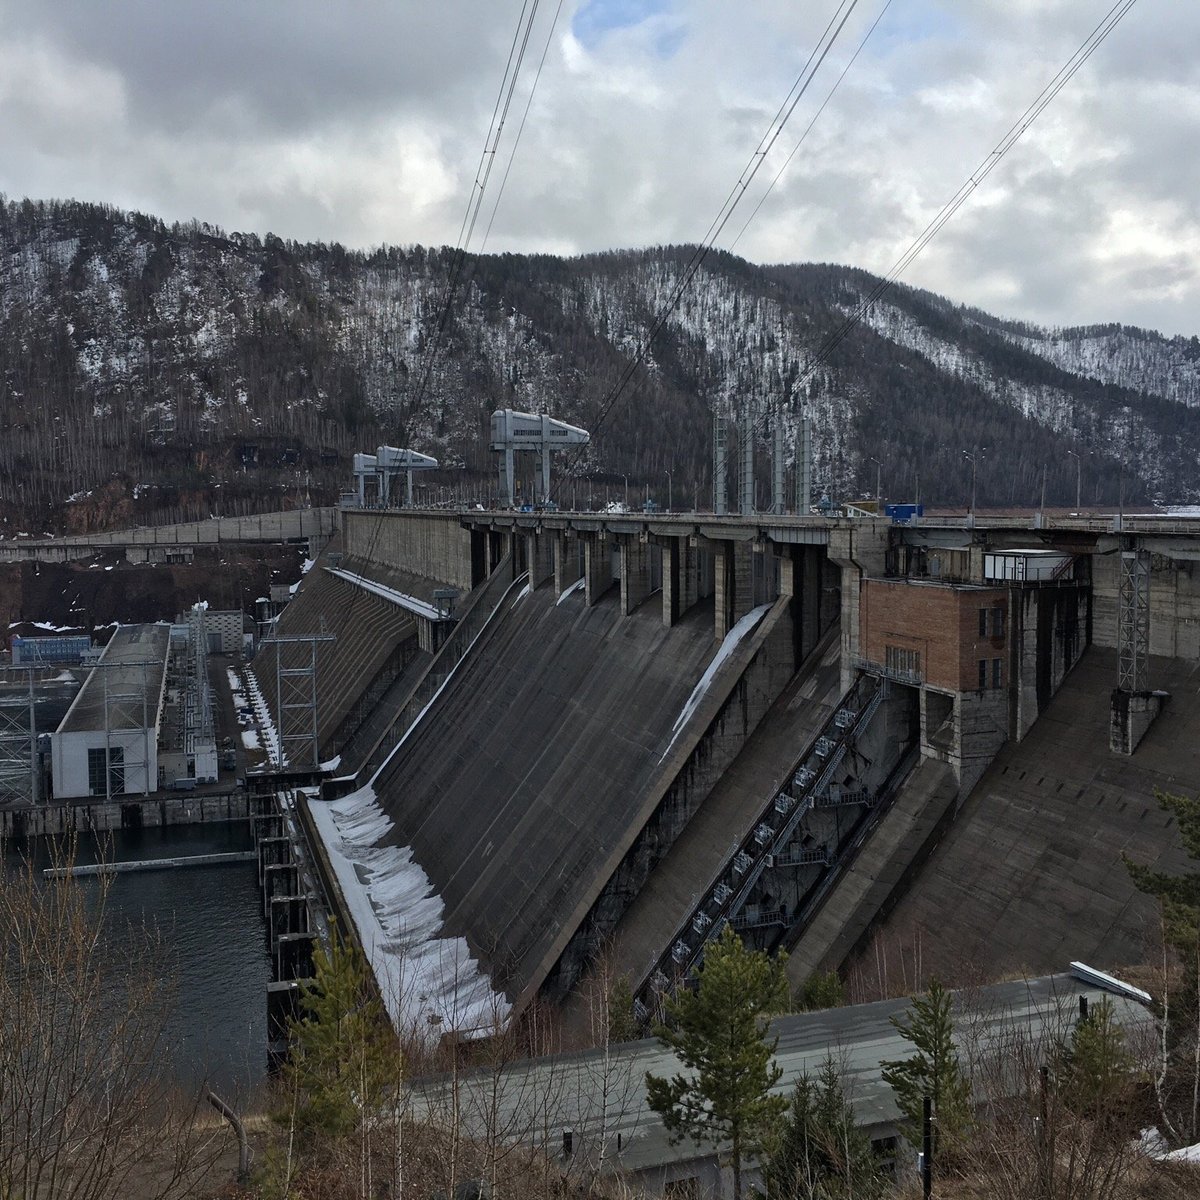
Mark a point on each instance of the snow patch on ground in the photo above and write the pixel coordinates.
(728, 644)
(263, 716)
(399, 921)
(250, 739)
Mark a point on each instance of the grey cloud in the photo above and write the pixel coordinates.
(364, 123)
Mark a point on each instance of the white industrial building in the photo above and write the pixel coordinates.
(107, 744)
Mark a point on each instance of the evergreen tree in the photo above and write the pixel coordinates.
(622, 1024)
(343, 1051)
(1098, 1066)
(821, 1154)
(718, 1033)
(933, 1070)
(822, 990)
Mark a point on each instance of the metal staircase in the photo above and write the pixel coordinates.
(771, 843)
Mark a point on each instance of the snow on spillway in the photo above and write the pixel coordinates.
(567, 591)
(728, 644)
(399, 921)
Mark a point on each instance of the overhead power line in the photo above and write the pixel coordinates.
(521, 128)
(808, 128)
(990, 161)
(487, 158)
(799, 88)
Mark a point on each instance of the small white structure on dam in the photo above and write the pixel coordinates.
(534, 433)
(387, 464)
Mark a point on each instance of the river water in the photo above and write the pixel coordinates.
(210, 921)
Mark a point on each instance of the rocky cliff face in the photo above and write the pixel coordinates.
(151, 371)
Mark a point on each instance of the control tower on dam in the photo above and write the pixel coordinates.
(580, 737)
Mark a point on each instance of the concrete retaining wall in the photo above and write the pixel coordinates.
(56, 819)
(432, 545)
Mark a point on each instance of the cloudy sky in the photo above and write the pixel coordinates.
(363, 122)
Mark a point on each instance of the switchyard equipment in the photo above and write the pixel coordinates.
(385, 466)
(534, 433)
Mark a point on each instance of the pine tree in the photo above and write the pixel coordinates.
(933, 1070)
(718, 1033)
(1098, 1066)
(821, 1153)
(343, 1051)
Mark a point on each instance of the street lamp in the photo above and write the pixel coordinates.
(878, 482)
(626, 478)
(1078, 457)
(974, 457)
(670, 490)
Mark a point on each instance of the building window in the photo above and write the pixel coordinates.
(902, 660)
(997, 622)
(983, 622)
(982, 674)
(115, 784)
(997, 673)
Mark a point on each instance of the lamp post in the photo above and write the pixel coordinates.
(670, 490)
(878, 482)
(974, 456)
(1078, 477)
(626, 478)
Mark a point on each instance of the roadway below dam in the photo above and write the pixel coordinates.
(516, 788)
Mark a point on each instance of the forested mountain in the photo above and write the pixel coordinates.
(179, 369)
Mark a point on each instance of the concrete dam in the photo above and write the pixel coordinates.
(535, 750)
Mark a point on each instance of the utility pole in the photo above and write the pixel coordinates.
(878, 482)
(670, 491)
(927, 1148)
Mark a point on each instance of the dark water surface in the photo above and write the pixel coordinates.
(210, 920)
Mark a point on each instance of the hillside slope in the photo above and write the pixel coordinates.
(190, 371)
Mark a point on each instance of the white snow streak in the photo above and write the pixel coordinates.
(263, 716)
(413, 603)
(567, 591)
(728, 644)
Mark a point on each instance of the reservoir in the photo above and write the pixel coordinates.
(210, 921)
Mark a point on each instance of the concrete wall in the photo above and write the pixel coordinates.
(432, 545)
(132, 813)
(1174, 605)
(1049, 632)
(859, 549)
(685, 781)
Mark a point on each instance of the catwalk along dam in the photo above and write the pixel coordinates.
(535, 749)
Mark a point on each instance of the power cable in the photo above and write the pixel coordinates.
(521, 128)
(487, 158)
(803, 82)
(990, 161)
(808, 128)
